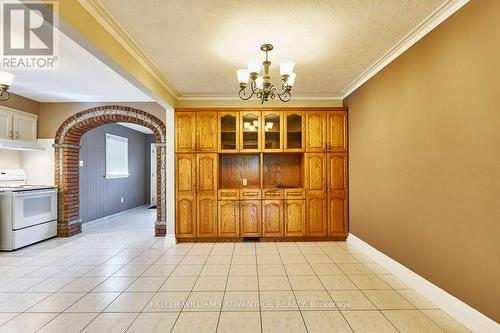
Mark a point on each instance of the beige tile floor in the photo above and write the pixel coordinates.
(117, 277)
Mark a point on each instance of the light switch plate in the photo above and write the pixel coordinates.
(80, 163)
(245, 182)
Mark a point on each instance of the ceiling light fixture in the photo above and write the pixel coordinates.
(260, 85)
(6, 79)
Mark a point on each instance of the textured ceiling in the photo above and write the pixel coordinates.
(198, 44)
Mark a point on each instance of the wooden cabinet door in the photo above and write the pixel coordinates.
(315, 172)
(316, 221)
(24, 127)
(206, 166)
(316, 210)
(6, 124)
(185, 132)
(337, 194)
(228, 129)
(250, 218)
(337, 131)
(295, 217)
(294, 131)
(185, 194)
(272, 217)
(229, 218)
(250, 128)
(206, 217)
(272, 131)
(206, 131)
(316, 129)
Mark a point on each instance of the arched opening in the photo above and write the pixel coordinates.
(67, 145)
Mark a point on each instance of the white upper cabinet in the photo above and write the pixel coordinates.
(17, 125)
(24, 127)
(6, 124)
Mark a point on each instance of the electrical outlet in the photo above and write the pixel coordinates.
(245, 182)
(121, 200)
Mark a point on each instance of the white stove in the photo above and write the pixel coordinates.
(28, 213)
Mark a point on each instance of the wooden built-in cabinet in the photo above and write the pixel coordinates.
(272, 174)
(185, 136)
(206, 165)
(206, 131)
(294, 131)
(229, 129)
(316, 137)
(229, 218)
(316, 220)
(185, 193)
(272, 218)
(272, 133)
(337, 194)
(337, 131)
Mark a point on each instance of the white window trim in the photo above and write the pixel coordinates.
(125, 174)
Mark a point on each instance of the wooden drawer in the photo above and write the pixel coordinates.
(229, 194)
(250, 194)
(272, 193)
(294, 193)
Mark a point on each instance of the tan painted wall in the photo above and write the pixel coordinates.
(52, 115)
(425, 157)
(21, 103)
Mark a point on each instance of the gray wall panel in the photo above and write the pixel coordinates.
(100, 197)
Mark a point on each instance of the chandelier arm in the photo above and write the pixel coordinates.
(4, 95)
(253, 91)
(285, 96)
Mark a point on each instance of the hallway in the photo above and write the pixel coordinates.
(116, 276)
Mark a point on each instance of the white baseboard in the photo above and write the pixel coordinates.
(468, 316)
(105, 218)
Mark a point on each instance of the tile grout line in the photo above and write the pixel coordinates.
(225, 287)
(191, 291)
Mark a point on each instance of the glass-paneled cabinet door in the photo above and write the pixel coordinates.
(250, 123)
(228, 132)
(272, 131)
(294, 131)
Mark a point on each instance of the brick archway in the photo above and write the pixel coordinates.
(67, 146)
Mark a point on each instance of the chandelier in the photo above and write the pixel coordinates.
(260, 85)
(6, 79)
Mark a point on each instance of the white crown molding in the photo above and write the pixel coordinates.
(97, 10)
(427, 25)
(236, 98)
(468, 316)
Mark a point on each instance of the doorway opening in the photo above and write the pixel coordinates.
(67, 157)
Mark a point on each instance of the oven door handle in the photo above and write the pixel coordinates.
(32, 193)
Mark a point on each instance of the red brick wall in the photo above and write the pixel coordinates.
(67, 153)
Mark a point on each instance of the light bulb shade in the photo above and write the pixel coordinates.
(256, 123)
(6, 78)
(269, 125)
(286, 67)
(254, 66)
(246, 125)
(243, 75)
(259, 82)
(291, 80)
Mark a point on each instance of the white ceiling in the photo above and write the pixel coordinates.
(138, 128)
(198, 44)
(79, 77)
